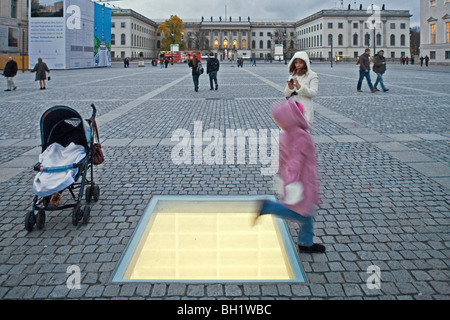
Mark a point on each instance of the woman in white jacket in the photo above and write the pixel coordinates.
(303, 83)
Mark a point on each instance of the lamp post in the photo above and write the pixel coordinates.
(331, 52)
(284, 45)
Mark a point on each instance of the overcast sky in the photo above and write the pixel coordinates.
(256, 9)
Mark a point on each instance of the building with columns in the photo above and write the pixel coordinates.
(339, 33)
(435, 30)
(346, 33)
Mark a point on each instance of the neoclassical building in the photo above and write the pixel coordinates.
(131, 34)
(435, 30)
(340, 33)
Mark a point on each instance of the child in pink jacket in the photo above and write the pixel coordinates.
(298, 172)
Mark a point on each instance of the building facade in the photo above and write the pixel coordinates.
(13, 30)
(132, 34)
(346, 33)
(231, 39)
(435, 30)
(340, 34)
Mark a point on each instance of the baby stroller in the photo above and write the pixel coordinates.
(66, 157)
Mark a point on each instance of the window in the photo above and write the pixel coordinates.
(402, 25)
(447, 55)
(123, 24)
(234, 44)
(403, 40)
(122, 39)
(261, 44)
(392, 25)
(378, 39)
(433, 33)
(330, 25)
(13, 8)
(340, 25)
(355, 39)
(269, 44)
(261, 34)
(392, 40)
(355, 25)
(113, 39)
(253, 44)
(432, 55)
(340, 40)
(244, 44)
(113, 24)
(367, 40)
(225, 43)
(392, 54)
(216, 44)
(330, 39)
(447, 27)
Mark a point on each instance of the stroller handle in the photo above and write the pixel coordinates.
(94, 110)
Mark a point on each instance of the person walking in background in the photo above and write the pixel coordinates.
(421, 61)
(303, 83)
(426, 60)
(41, 68)
(298, 174)
(212, 67)
(364, 71)
(195, 72)
(10, 72)
(379, 67)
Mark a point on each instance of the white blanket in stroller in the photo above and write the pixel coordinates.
(48, 183)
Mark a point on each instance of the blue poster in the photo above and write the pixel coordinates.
(102, 35)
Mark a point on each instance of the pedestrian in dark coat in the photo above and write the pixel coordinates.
(364, 71)
(10, 72)
(41, 68)
(195, 71)
(379, 67)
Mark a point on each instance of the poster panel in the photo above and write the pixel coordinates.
(47, 33)
(9, 39)
(102, 36)
(79, 33)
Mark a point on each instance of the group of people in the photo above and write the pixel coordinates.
(379, 67)
(212, 67)
(10, 71)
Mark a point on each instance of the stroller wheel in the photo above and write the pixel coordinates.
(77, 214)
(86, 214)
(96, 193)
(88, 194)
(30, 220)
(40, 219)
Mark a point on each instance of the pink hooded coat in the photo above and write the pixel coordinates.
(297, 161)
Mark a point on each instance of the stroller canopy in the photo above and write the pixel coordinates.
(63, 125)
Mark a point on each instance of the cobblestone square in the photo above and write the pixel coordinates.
(383, 162)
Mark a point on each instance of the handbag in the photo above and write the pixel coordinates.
(97, 152)
(49, 78)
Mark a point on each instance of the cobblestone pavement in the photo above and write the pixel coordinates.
(384, 164)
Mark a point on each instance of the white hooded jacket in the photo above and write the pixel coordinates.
(309, 86)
